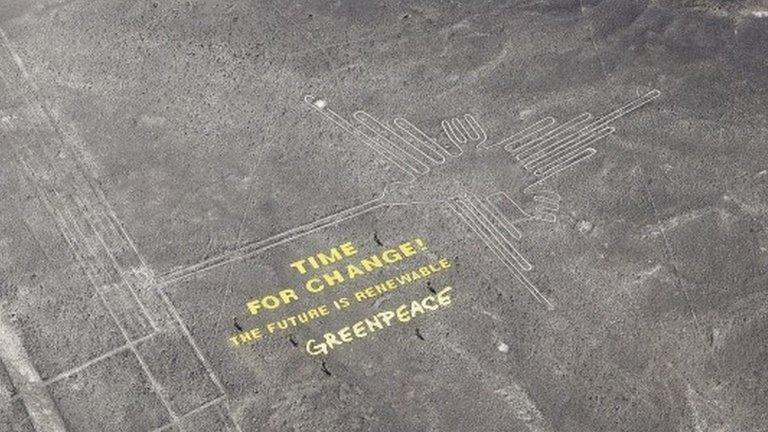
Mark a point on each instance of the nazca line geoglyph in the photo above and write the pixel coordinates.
(543, 149)
(48, 150)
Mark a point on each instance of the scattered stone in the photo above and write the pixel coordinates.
(584, 226)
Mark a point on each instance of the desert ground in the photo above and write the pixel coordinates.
(340, 215)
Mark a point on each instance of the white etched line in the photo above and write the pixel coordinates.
(257, 246)
(82, 180)
(403, 154)
(454, 126)
(155, 385)
(206, 364)
(110, 212)
(73, 244)
(479, 132)
(547, 203)
(97, 217)
(574, 153)
(320, 106)
(574, 141)
(166, 427)
(16, 59)
(59, 220)
(418, 147)
(101, 271)
(579, 157)
(561, 146)
(570, 149)
(467, 127)
(489, 222)
(432, 149)
(452, 147)
(568, 152)
(545, 145)
(511, 228)
(93, 361)
(84, 239)
(518, 272)
(461, 128)
(102, 274)
(131, 266)
(194, 411)
(596, 125)
(49, 116)
(40, 407)
(489, 237)
(452, 138)
(81, 256)
(624, 110)
(83, 207)
(542, 212)
(472, 130)
(98, 214)
(547, 194)
(101, 249)
(448, 130)
(669, 254)
(191, 341)
(468, 219)
(511, 143)
(103, 268)
(204, 406)
(384, 152)
(39, 173)
(46, 114)
(541, 145)
(498, 228)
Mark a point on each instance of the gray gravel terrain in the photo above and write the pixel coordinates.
(581, 188)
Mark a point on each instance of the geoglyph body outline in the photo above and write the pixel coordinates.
(543, 149)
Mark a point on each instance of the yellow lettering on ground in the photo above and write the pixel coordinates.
(391, 284)
(385, 319)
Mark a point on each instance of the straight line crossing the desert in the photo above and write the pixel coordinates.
(90, 227)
